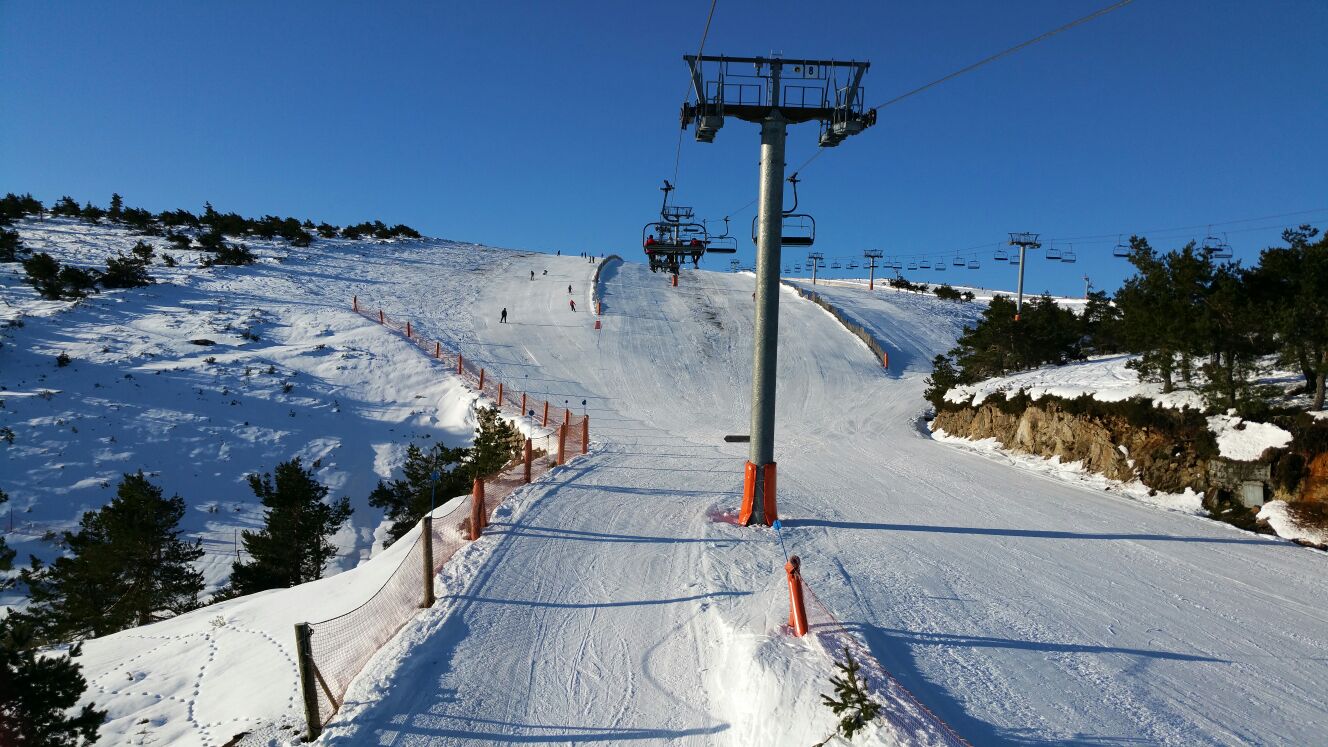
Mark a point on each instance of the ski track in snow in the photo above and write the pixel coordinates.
(606, 606)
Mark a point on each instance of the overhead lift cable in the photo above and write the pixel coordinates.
(687, 95)
(1027, 43)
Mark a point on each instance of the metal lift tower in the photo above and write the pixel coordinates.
(1024, 241)
(872, 255)
(773, 92)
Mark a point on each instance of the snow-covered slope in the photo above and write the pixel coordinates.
(613, 603)
(292, 372)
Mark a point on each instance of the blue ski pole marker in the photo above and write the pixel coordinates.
(434, 476)
(777, 526)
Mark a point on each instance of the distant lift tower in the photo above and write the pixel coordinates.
(817, 261)
(773, 92)
(1024, 241)
(872, 255)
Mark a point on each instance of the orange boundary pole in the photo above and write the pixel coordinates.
(500, 394)
(523, 404)
(545, 422)
(768, 499)
(481, 381)
(797, 610)
(585, 434)
(562, 444)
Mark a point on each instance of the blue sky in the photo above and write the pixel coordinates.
(550, 125)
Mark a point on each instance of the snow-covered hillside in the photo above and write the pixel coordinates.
(614, 601)
(287, 369)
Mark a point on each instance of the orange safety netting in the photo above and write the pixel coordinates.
(341, 646)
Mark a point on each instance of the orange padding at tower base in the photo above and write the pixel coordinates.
(768, 503)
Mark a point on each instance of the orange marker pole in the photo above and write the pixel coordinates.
(768, 488)
(481, 381)
(567, 416)
(523, 404)
(545, 423)
(500, 394)
(562, 444)
(675, 281)
(797, 611)
(585, 434)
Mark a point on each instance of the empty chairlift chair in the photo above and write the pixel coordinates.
(974, 264)
(924, 264)
(1054, 252)
(1122, 249)
(959, 262)
(1068, 256)
(1001, 256)
(940, 264)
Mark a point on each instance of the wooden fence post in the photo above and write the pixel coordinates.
(438, 350)
(461, 360)
(304, 660)
(481, 381)
(426, 551)
(500, 394)
(408, 328)
(528, 459)
(476, 509)
(545, 422)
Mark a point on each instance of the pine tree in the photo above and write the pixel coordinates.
(66, 207)
(406, 500)
(43, 273)
(127, 565)
(91, 213)
(294, 545)
(6, 553)
(497, 442)
(11, 246)
(125, 272)
(117, 207)
(144, 251)
(854, 705)
(38, 690)
(944, 377)
(1102, 325)
(1291, 284)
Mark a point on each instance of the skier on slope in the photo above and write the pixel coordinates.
(569, 289)
(503, 319)
(572, 302)
(532, 274)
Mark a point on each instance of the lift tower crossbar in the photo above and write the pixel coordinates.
(772, 92)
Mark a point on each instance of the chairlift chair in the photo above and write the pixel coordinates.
(835, 265)
(912, 265)
(959, 262)
(1053, 252)
(852, 264)
(1217, 248)
(940, 264)
(1014, 258)
(924, 264)
(1122, 249)
(974, 264)
(674, 238)
(1068, 256)
(1002, 256)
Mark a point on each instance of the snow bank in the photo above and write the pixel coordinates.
(1278, 516)
(1105, 378)
(1245, 441)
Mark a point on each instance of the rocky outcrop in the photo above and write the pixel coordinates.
(1163, 458)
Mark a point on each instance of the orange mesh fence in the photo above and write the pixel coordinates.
(341, 646)
(509, 399)
(901, 709)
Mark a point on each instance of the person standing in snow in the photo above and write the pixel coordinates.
(503, 319)
(572, 303)
(532, 274)
(569, 289)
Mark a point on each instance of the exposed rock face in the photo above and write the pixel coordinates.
(1106, 444)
